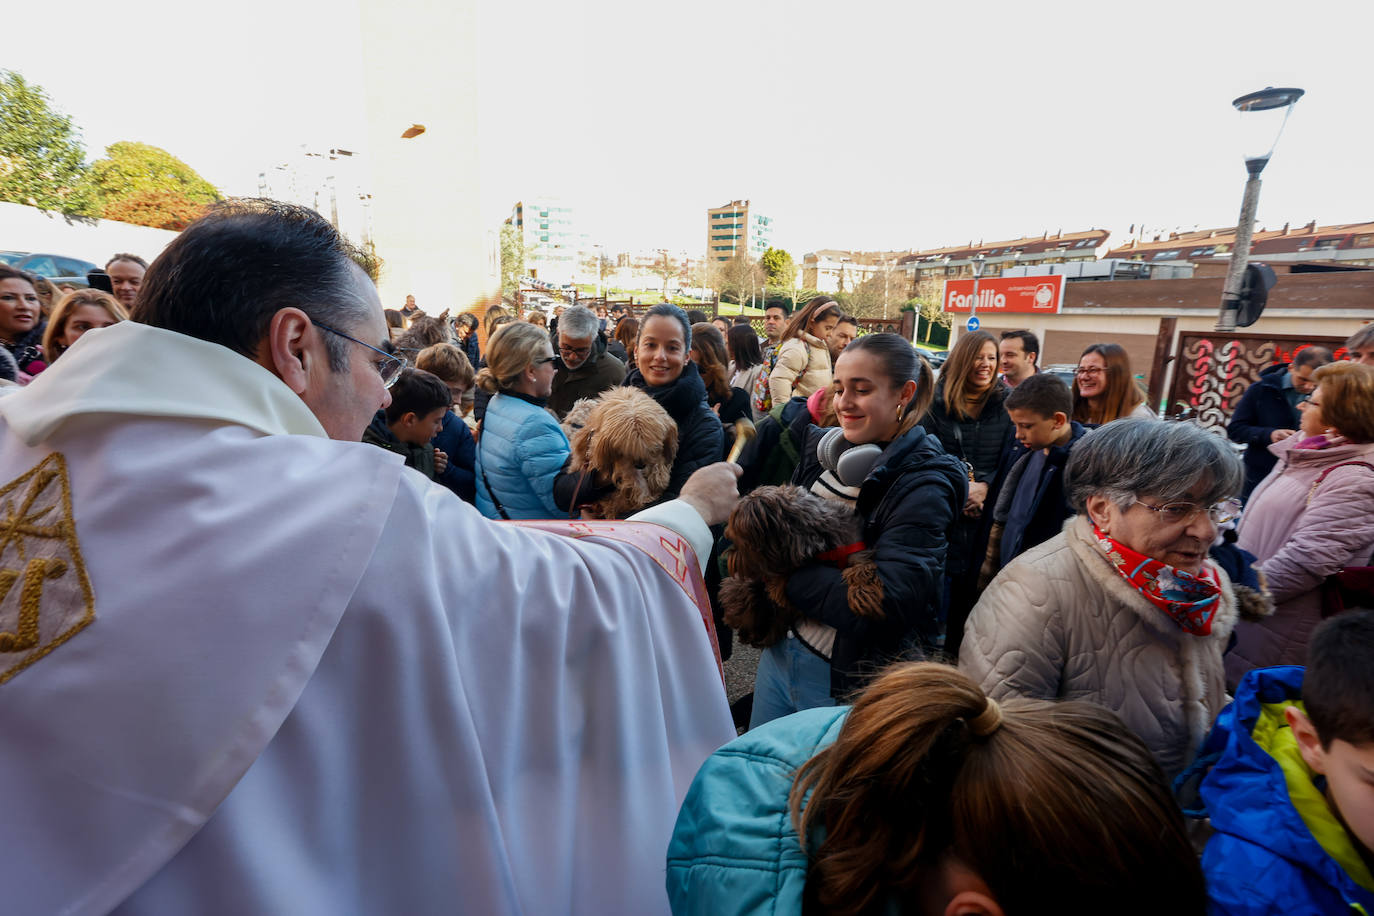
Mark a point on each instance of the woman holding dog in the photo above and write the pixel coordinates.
(522, 449)
(907, 491)
(665, 371)
(802, 364)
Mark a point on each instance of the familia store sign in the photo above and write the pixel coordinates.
(1019, 295)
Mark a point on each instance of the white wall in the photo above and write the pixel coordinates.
(30, 229)
(426, 190)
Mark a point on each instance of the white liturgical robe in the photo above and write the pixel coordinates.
(246, 669)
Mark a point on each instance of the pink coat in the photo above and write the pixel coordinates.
(1299, 543)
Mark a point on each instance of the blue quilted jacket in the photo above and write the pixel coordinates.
(521, 451)
(1278, 847)
(734, 850)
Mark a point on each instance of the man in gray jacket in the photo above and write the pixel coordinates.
(585, 369)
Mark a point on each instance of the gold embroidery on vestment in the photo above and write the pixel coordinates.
(40, 555)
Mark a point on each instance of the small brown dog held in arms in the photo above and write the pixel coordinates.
(776, 530)
(628, 441)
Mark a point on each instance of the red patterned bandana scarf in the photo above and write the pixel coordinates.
(1190, 601)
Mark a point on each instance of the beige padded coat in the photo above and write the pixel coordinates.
(1061, 623)
(802, 368)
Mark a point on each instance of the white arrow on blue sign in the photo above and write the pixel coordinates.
(972, 323)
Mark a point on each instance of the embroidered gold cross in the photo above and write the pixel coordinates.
(40, 554)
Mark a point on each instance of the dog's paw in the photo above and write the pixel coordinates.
(864, 586)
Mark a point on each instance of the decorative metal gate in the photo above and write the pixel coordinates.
(1212, 371)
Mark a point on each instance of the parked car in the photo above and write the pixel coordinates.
(56, 267)
(936, 358)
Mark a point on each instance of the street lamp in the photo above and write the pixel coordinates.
(1279, 105)
(978, 263)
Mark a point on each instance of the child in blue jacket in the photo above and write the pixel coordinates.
(1290, 789)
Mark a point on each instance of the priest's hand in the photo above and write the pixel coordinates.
(713, 491)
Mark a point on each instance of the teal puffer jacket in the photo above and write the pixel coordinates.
(734, 849)
(521, 451)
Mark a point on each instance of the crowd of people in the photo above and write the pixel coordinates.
(1110, 664)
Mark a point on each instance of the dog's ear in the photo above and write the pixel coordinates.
(601, 453)
(670, 444)
(656, 477)
(582, 441)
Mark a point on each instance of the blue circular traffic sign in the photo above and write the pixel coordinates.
(972, 323)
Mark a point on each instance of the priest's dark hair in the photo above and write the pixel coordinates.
(225, 276)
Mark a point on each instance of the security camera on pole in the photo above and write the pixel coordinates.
(1237, 290)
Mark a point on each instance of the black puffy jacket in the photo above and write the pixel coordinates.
(907, 502)
(984, 443)
(700, 438)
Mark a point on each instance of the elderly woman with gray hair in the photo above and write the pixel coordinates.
(1123, 607)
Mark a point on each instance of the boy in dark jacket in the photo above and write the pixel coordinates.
(1268, 411)
(419, 401)
(1031, 505)
(1290, 790)
(454, 439)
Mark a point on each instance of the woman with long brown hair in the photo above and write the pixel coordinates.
(625, 337)
(708, 352)
(969, 420)
(802, 364)
(77, 312)
(928, 797)
(1104, 387)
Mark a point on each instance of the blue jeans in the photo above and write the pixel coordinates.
(790, 678)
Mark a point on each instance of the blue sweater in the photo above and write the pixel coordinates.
(521, 451)
(734, 850)
(1278, 847)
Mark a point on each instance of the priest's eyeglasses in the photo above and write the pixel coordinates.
(388, 366)
(1182, 513)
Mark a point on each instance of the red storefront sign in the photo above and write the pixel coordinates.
(1020, 295)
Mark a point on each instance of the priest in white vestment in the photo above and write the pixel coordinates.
(247, 667)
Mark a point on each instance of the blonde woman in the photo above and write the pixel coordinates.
(802, 364)
(521, 449)
(76, 313)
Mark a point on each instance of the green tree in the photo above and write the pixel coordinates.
(42, 159)
(779, 268)
(137, 168)
(512, 259)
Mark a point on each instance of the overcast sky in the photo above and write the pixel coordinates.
(855, 125)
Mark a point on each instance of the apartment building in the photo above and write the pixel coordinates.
(552, 243)
(736, 228)
(1351, 244)
(929, 269)
(832, 270)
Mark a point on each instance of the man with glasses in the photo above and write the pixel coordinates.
(585, 369)
(253, 665)
(1268, 411)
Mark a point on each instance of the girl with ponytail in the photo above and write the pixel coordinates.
(929, 797)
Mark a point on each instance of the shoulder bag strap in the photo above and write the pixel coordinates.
(500, 509)
(1323, 475)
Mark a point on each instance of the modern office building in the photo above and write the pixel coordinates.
(737, 228)
(552, 244)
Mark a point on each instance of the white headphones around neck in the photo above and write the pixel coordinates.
(849, 463)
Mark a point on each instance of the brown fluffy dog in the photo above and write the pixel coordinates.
(776, 530)
(628, 441)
